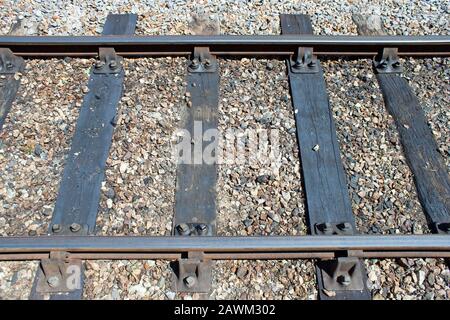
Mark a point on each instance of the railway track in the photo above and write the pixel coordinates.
(194, 243)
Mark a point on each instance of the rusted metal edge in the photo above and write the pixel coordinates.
(228, 255)
(215, 244)
(250, 45)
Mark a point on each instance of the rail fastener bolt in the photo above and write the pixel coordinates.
(56, 228)
(345, 280)
(326, 228)
(189, 281)
(195, 64)
(312, 64)
(99, 64)
(113, 64)
(202, 228)
(75, 227)
(396, 64)
(183, 229)
(297, 64)
(346, 227)
(382, 65)
(208, 63)
(53, 281)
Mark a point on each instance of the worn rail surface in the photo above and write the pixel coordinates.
(129, 46)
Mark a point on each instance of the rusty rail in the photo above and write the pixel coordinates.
(226, 248)
(224, 45)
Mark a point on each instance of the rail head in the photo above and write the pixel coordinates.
(274, 247)
(222, 45)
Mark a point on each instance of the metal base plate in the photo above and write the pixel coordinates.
(9, 63)
(59, 275)
(192, 275)
(341, 274)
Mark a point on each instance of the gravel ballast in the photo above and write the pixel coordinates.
(138, 192)
(257, 198)
(44, 111)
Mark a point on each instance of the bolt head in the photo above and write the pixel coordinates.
(346, 226)
(202, 228)
(9, 65)
(113, 64)
(183, 229)
(56, 228)
(344, 279)
(75, 227)
(99, 64)
(326, 228)
(297, 64)
(195, 64)
(53, 281)
(189, 281)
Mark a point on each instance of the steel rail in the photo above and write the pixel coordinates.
(229, 256)
(223, 248)
(249, 45)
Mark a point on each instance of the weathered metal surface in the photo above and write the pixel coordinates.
(202, 61)
(342, 274)
(193, 229)
(327, 228)
(108, 62)
(304, 61)
(328, 202)
(251, 45)
(192, 274)
(9, 63)
(229, 255)
(387, 61)
(61, 274)
(215, 244)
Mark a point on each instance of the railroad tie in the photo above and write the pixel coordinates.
(329, 211)
(78, 197)
(10, 68)
(195, 196)
(419, 146)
